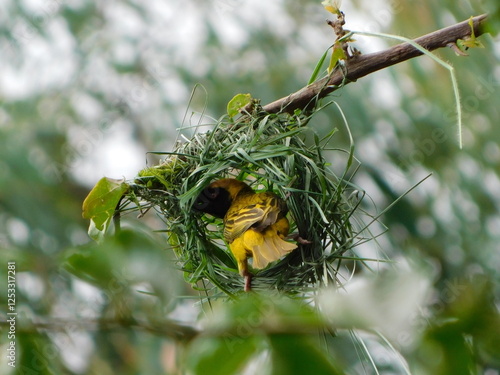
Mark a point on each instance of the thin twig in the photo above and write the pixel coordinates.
(362, 65)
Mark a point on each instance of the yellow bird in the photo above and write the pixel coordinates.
(255, 224)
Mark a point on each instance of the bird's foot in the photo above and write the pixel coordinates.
(248, 282)
(296, 237)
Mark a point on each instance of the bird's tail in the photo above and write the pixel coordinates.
(271, 247)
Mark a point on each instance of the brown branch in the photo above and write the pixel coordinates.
(362, 65)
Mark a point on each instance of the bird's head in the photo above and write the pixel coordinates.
(217, 197)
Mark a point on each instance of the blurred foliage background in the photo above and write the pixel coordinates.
(88, 88)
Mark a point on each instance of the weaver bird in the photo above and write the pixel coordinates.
(255, 224)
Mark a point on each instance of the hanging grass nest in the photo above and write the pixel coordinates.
(270, 152)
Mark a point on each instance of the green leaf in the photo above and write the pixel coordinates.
(294, 354)
(318, 67)
(99, 206)
(36, 355)
(238, 102)
(122, 260)
(93, 265)
(470, 42)
(337, 55)
(225, 355)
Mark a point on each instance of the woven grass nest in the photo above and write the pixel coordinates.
(270, 152)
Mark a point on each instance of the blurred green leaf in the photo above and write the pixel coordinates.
(36, 354)
(225, 355)
(121, 260)
(266, 312)
(464, 332)
(92, 264)
(237, 331)
(295, 354)
(448, 350)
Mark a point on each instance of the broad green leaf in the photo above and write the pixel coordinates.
(32, 352)
(225, 355)
(99, 206)
(295, 354)
(268, 313)
(92, 265)
(122, 260)
(238, 102)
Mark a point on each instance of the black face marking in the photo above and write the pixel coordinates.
(214, 201)
(211, 193)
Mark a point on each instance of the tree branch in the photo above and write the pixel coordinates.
(166, 328)
(362, 65)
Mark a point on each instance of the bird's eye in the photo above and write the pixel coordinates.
(212, 193)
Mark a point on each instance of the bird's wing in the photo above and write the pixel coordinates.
(258, 211)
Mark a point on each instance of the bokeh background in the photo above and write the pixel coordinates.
(87, 89)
